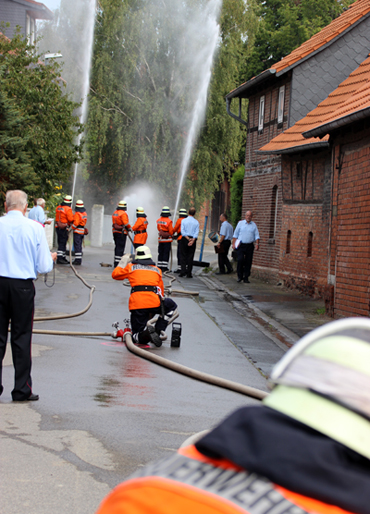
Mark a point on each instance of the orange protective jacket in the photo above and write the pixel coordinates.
(119, 221)
(63, 216)
(177, 228)
(165, 230)
(141, 275)
(140, 230)
(79, 222)
(190, 482)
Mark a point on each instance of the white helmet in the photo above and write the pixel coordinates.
(142, 252)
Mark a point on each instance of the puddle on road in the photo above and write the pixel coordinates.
(272, 298)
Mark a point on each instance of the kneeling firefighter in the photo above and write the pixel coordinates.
(140, 228)
(306, 450)
(147, 296)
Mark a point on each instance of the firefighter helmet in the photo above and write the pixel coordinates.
(122, 204)
(166, 211)
(79, 203)
(142, 252)
(140, 210)
(324, 382)
(67, 199)
(183, 212)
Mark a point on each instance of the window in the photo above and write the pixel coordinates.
(30, 29)
(274, 204)
(309, 244)
(261, 114)
(288, 239)
(281, 105)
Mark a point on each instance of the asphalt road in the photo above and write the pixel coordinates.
(103, 411)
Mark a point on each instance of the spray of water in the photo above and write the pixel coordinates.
(205, 60)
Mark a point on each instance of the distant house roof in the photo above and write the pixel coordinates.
(37, 10)
(346, 21)
(349, 102)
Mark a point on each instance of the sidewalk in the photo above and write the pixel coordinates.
(286, 314)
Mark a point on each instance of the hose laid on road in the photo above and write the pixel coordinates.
(258, 394)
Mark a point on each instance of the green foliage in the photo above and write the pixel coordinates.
(37, 128)
(284, 25)
(236, 194)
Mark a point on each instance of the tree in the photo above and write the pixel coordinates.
(283, 26)
(38, 128)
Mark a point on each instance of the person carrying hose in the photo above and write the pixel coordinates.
(120, 228)
(78, 227)
(63, 220)
(147, 296)
(306, 449)
(165, 232)
(140, 228)
(177, 230)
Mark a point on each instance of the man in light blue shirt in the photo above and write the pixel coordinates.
(245, 238)
(189, 232)
(226, 235)
(37, 212)
(24, 252)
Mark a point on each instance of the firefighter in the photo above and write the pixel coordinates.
(140, 228)
(120, 228)
(78, 227)
(306, 450)
(147, 296)
(177, 230)
(63, 220)
(165, 232)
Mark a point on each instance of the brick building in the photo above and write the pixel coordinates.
(287, 188)
(23, 13)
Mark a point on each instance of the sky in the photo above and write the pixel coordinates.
(51, 4)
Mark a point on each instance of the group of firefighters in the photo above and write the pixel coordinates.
(66, 220)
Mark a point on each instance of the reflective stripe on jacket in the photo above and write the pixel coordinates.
(79, 222)
(64, 215)
(139, 275)
(165, 230)
(141, 225)
(120, 218)
(191, 482)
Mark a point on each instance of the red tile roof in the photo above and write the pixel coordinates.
(351, 100)
(39, 10)
(347, 19)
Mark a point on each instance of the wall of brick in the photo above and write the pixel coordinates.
(350, 235)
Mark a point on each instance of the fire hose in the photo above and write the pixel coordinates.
(161, 361)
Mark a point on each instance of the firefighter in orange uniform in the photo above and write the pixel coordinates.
(147, 296)
(120, 228)
(63, 220)
(165, 232)
(78, 227)
(177, 230)
(305, 450)
(140, 228)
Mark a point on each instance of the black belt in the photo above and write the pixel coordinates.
(140, 232)
(140, 289)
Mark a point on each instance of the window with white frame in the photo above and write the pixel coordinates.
(30, 29)
(281, 104)
(261, 114)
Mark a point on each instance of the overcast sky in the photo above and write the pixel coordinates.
(52, 4)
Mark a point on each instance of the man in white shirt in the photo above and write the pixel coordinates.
(37, 212)
(188, 243)
(246, 236)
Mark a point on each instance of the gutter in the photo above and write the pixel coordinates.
(251, 83)
(294, 149)
(324, 129)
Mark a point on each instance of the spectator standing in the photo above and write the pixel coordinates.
(189, 232)
(226, 235)
(24, 253)
(37, 212)
(245, 239)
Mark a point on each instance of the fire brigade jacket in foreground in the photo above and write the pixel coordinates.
(63, 216)
(139, 230)
(79, 222)
(258, 461)
(119, 221)
(165, 230)
(142, 274)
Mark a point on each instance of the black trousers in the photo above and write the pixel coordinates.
(119, 250)
(140, 317)
(187, 256)
(17, 305)
(178, 255)
(62, 236)
(223, 260)
(245, 258)
(164, 250)
(77, 242)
